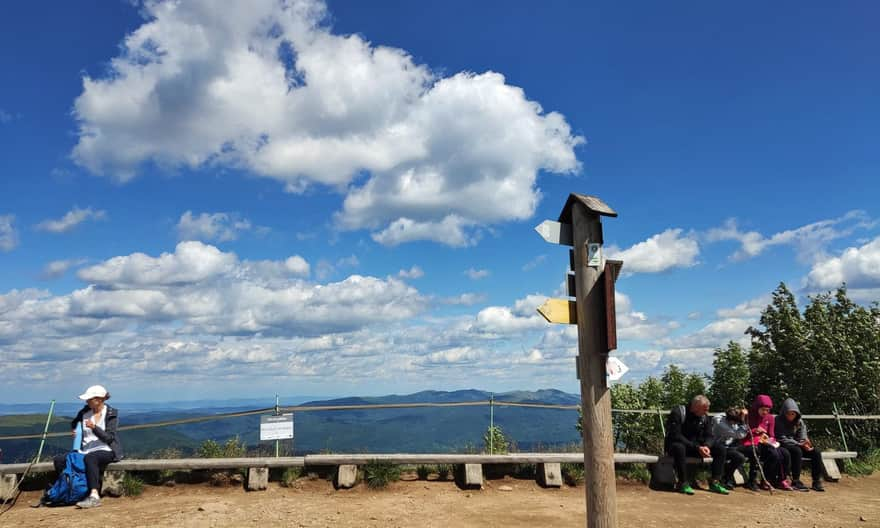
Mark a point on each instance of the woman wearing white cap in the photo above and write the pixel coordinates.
(100, 443)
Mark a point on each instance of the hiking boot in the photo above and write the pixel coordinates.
(686, 489)
(715, 487)
(89, 502)
(729, 484)
(752, 486)
(799, 486)
(784, 485)
(765, 485)
(817, 486)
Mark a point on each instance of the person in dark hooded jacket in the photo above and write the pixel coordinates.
(100, 441)
(791, 432)
(689, 433)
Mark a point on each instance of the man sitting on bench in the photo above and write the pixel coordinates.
(689, 433)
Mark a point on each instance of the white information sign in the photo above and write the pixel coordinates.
(594, 255)
(276, 427)
(615, 369)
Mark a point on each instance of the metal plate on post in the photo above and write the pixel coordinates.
(594, 255)
(570, 281)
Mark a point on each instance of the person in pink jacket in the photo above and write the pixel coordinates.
(774, 459)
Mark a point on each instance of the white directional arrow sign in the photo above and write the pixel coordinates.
(555, 232)
(615, 369)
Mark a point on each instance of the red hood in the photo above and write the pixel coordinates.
(761, 400)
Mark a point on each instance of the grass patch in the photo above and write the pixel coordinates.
(132, 486)
(290, 475)
(864, 465)
(443, 471)
(378, 474)
(572, 473)
(423, 471)
(638, 473)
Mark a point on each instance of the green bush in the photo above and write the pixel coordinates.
(443, 471)
(233, 448)
(377, 474)
(423, 472)
(494, 441)
(290, 475)
(209, 449)
(132, 486)
(572, 474)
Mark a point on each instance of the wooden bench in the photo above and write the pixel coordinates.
(663, 474)
(468, 467)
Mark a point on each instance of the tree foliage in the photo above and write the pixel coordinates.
(730, 377)
(827, 356)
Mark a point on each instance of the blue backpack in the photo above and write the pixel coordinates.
(71, 486)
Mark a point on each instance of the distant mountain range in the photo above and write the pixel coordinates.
(411, 430)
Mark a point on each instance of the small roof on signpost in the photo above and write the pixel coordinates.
(593, 204)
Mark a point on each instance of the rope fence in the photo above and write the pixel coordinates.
(312, 408)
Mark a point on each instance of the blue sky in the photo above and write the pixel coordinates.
(339, 198)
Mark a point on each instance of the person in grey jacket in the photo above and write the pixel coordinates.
(791, 432)
(729, 429)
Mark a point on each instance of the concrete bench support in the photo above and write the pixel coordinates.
(550, 475)
(257, 479)
(469, 476)
(832, 472)
(738, 478)
(7, 486)
(346, 476)
(112, 484)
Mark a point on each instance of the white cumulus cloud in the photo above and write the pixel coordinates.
(208, 227)
(809, 240)
(8, 233)
(191, 262)
(71, 219)
(858, 267)
(266, 86)
(661, 252)
(57, 268)
(476, 274)
(414, 272)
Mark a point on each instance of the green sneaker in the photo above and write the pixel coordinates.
(686, 489)
(718, 488)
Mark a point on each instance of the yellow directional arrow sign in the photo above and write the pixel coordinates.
(559, 311)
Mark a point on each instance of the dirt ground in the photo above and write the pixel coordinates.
(314, 503)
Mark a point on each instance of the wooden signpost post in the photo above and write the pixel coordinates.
(597, 335)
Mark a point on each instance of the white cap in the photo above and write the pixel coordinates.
(95, 391)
